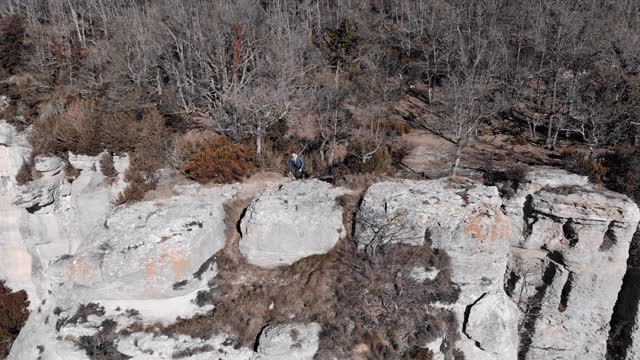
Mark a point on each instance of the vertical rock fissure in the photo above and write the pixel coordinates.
(570, 233)
(533, 310)
(564, 295)
(625, 310)
(510, 282)
(528, 217)
(609, 239)
(467, 312)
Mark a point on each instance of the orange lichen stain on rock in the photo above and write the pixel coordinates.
(80, 271)
(149, 268)
(149, 272)
(485, 223)
(177, 262)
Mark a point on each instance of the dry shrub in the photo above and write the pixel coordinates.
(73, 131)
(152, 148)
(585, 164)
(138, 185)
(379, 163)
(103, 344)
(508, 179)
(396, 127)
(377, 299)
(83, 312)
(220, 162)
(119, 132)
(358, 300)
(12, 33)
(25, 172)
(106, 165)
(151, 153)
(13, 315)
(191, 143)
(623, 172)
(70, 171)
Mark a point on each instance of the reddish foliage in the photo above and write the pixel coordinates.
(13, 314)
(220, 162)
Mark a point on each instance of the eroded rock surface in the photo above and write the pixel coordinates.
(567, 266)
(465, 220)
(299, 219)
(288, 342)
(15, 261)
(538, 272)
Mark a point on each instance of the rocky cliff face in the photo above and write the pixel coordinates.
(536, 274)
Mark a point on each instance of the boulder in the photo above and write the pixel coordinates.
(289, 342)
(142, 249)
(296, 220)
(465, 220)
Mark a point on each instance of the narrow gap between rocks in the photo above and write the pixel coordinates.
(467, 312)
(625, 310)
(609, 239)
(534, 307)
(566, 291)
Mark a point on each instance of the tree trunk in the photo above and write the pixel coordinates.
(259, 140)
(324, 142)
(456, 163)
(332, 152)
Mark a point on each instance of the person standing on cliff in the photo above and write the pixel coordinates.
(296, 166)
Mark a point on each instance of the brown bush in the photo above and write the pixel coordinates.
(138, 185)
(119, 132)
(380, 162)
(103, 344)
(508, 178)
(151, 153)
(152, 148)
(623, 171)
(73, 131)
(585, 164)
(396, 127)
(106, 165)
(25, 172)
(220, 162)
(12, 33)
(13, 315)
(70, 171)
(366, 307)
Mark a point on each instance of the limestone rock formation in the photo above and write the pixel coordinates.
(538, 268)
(142, 249)
(566, 268)
(15, 262)
(299, 219)
(465, 220)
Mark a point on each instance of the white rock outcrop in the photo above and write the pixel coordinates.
(142, 249)
(538, 273)
(465, 220)
(567, 266)
(296, 220)
(15, 261)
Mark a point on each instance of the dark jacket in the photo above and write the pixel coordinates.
(296, 165)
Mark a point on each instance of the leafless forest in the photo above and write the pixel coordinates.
(322, 78)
